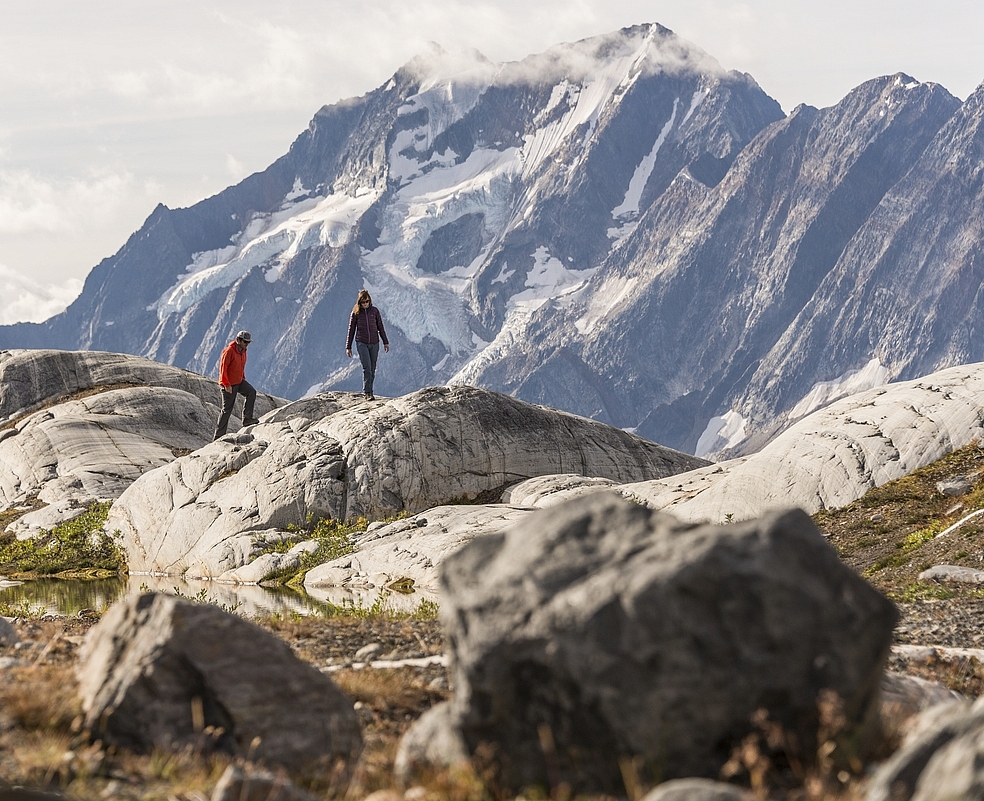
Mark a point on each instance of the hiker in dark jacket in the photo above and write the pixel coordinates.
(232, 379)
(366, 326)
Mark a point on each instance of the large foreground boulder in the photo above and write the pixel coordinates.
(206, 513)
(600, 629)
(106, 419)
(157, 671)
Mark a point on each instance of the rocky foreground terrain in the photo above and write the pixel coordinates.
(582, 616)
(939, 627)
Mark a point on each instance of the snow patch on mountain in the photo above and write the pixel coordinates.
(695, 101)
(616, 290)
(630, 203)
(297, 191)
(281, 236)
(628, 210)
(548, 280)
(721, 433)
(872, 375)
(585, 103)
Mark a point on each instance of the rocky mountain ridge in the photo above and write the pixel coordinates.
(617, 227)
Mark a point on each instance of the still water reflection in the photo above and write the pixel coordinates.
(70, 597)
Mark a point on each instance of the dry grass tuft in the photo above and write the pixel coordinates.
(42, 698)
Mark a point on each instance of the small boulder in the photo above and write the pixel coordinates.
(158, 671)
(433, 739)
(954, 487)
(600, 629)
(8, 634)
(941, 760)
(952, 574)
(903, 697)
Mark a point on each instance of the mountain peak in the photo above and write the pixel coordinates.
(436, 65)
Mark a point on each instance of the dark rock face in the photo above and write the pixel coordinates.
(706, 298)
(906, 287)
(600, 629)
(158, 670)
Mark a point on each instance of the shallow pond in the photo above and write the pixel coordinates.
(69, 597)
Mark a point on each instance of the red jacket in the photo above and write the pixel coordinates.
(232, 366)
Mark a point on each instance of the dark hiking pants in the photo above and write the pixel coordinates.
(367, 355)
(228, 401)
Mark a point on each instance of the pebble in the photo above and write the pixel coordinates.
(368, 652)
(956, 623)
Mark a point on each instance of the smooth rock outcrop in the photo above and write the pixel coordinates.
(108, 419)
(215, 510)
(552, 490)
(617, 631)
(835, 455)
(697, 790)
(211, 512)
(410, 551)
(158, 670)
(30, 379)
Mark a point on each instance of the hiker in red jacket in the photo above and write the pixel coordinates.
(366, 325)
(232, 379)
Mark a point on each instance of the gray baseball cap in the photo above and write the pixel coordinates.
(244, 336)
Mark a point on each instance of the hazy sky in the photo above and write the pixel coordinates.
(108, 107)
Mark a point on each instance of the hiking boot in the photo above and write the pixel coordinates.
(250, 421)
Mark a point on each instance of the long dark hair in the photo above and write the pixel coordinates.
(363, 295)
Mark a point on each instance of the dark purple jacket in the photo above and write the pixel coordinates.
(366, 326)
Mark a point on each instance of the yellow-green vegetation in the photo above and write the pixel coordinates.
(77, 549)
(893, 532)
(334, 538)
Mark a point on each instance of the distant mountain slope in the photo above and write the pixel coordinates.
(464, 194)
(677, 321)
(616, 227)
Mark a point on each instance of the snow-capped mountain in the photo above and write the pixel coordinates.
(615, 227)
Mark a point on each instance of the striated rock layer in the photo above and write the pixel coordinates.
(78, 427)
(208, 513)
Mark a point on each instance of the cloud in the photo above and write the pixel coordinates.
(664, 52)
(235, 168)
(23, 300)
(32, 204)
